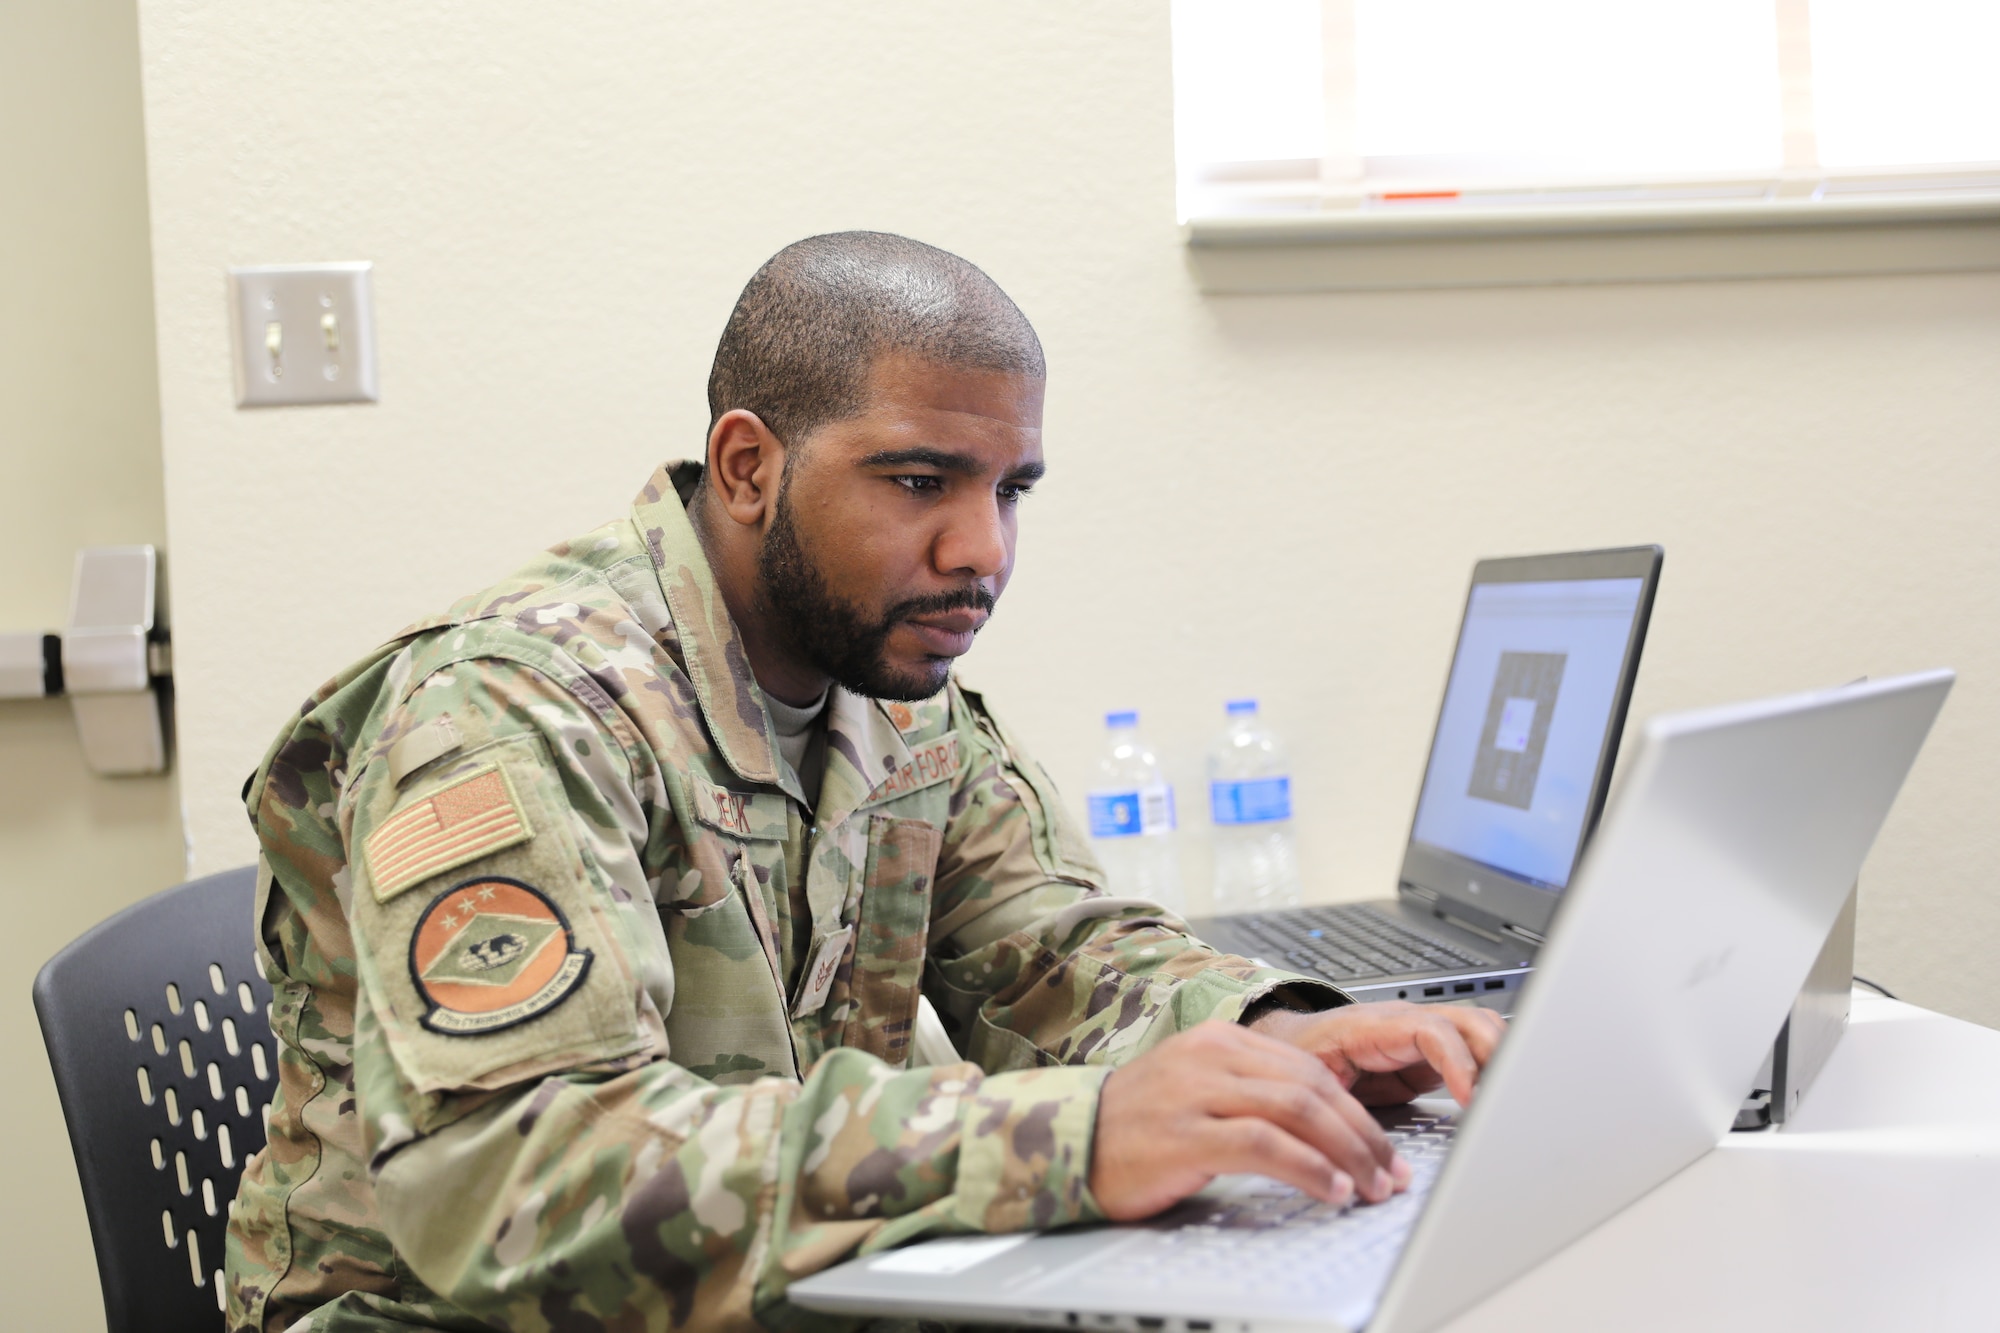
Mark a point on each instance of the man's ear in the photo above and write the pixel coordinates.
(745, 464)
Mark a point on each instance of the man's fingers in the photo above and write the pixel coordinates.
(1397, 1086)
(1454, 1040)
(1482, 1029)
(1367, 1158)
(1260, 1056)
(1254, 1146)
(1444, 1046)
(1272, 1061)
(1254, 1055)
(1478, 1032)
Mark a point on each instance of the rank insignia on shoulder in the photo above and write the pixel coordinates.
(470, 818)
(492, 953)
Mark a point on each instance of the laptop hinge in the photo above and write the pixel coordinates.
(1521, 932)
(1415, 891)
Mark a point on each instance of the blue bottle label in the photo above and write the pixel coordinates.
(1125, 814)
(1255, 801)
(1114, 814)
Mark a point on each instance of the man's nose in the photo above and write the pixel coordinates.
(974, 541)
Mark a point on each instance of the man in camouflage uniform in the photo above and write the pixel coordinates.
(598, 980)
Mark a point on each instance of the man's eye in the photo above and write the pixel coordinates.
(920, 485)
(1015, 494)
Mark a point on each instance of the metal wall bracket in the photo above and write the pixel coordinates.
(110, 660)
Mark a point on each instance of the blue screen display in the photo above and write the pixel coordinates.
(1531, 692)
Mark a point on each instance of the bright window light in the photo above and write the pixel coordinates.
(1441, 106)
(1247, 80)
(1576, 86)
(1909, 83)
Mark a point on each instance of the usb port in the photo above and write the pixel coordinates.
(1151, 1321)
(1462, 988)
(1199, 1326)
(1498, 983)
(1433, 990)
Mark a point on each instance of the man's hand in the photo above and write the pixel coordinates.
(1220, 1099)
(1283, 1099)
(1388, 1053)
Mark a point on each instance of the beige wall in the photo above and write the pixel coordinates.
(79, 465)
(1275, 495)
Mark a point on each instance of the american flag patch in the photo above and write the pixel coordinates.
(472, 817)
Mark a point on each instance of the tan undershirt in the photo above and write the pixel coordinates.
(802, 745)
(802, 741)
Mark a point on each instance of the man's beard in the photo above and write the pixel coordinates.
(836, 637)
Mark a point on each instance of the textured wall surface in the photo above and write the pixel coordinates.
(1272, 495)
(79, 466)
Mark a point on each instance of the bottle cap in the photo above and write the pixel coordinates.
(1125, 719)
(1240, 707)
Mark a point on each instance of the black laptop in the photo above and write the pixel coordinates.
(1548, 650)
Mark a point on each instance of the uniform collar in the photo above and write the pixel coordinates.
(863, 748)
(863, 745)
(711, 649)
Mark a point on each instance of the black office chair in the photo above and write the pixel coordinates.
(158, 1029)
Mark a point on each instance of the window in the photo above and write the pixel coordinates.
(1377, 109)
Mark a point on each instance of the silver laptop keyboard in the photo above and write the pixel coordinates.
(1270, 1237)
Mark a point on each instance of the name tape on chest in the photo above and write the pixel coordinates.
(741, 814)
(930, 763)
(462, 821)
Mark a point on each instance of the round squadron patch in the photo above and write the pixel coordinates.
(491, 953)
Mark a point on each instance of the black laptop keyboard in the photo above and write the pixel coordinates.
(1349, 940)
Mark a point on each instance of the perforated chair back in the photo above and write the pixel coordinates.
(158, 1029)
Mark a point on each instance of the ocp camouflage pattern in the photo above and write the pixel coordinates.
(663, 1144)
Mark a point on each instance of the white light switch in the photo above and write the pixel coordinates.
(305, 333)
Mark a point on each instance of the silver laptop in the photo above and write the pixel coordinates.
(1694, 919)
(1548, 648)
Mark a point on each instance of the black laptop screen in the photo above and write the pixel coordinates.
(1532, 690)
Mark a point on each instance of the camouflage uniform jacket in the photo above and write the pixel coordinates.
(585, 1020)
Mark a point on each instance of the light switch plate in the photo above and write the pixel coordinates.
(305, 333)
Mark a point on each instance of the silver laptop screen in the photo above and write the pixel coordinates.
(1532, 690)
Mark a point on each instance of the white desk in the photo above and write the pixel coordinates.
(1877, 1208)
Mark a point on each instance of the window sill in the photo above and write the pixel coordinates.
(1376, 250)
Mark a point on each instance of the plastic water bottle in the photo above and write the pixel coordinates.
(1132, 817)
(1250, 800)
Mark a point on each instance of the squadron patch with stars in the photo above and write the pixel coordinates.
(491, 953)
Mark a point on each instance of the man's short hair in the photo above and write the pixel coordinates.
(799, 344)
